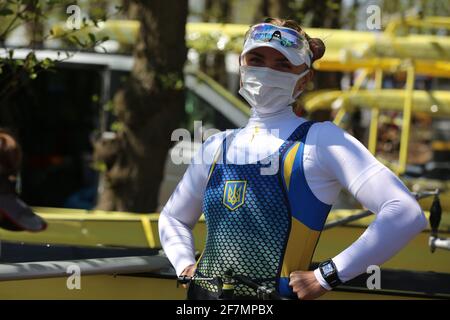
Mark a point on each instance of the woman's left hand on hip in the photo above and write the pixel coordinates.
(305, 285)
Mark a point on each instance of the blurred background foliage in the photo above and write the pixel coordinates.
(41, 23)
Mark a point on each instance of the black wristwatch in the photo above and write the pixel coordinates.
(329, 273)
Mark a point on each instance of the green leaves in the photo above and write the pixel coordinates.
(77, 41)
(53, 2)
(171, 80)
(30, 65)
(38, 13)
(117, 126)
(47, 63)
(88, 42)
(92, 37)
(214, 42)
(99, 166)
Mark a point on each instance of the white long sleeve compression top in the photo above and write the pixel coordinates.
(333, 159)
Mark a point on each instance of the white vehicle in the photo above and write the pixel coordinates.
(100, 75)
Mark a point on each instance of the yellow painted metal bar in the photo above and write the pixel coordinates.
(406, 124)
(93, 215)
(440, 145)
(359, 81)
(149, 236)
(356, 86)
(432, 68)
(435, 103)
(427, 22)
(429, 51)
(373, 130)
(340, 116)
(387, 119)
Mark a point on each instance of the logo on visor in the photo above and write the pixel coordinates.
(276, 34)
(234, 194)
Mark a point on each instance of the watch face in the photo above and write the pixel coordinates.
(327, 269)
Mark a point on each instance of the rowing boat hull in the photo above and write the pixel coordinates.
(31, 271)
(136, 288)
(92, 229)
(88, 228)
(110, 287)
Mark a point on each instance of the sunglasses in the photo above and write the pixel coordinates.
(289, 38)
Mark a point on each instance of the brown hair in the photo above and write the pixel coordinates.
(10, 154)
(315, 44)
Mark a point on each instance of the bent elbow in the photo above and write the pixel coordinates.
(408, 215)
(418, 221)
(166, 229)
(162, 223)
(423, 221)
(162, 220)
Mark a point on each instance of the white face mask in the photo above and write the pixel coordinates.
(268, 90)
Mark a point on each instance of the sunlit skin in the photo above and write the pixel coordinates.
(272, 58)
(303, 283)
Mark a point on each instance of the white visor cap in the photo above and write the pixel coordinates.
(294, 55)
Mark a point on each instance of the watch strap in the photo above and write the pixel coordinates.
(331, 278)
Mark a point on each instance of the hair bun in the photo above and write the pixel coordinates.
(317, 48)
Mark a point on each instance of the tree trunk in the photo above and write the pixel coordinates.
(150, 107)
(274, 9)
(35, 27)
(213, 63)
(280, 9)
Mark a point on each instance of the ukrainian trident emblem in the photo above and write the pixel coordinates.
(234, 194)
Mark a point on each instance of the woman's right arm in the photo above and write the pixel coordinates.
(184, 208)
(176, 222)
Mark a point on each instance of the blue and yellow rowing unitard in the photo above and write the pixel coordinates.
(261, 226)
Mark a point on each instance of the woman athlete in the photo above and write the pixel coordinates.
(266, 189)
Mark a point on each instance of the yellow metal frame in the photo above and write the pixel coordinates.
(375, 113)
(406, 124)
(392, 64)
(92, 228)
(129, 287)
(427, 22)
(356, 86)
(347, 50)
(149, 235)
